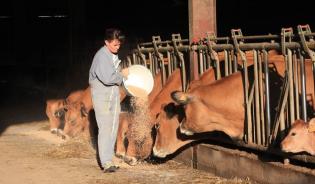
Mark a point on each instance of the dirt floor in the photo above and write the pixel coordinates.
(30, 154)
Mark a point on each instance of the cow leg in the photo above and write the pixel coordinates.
(120, 146)
(121, 135)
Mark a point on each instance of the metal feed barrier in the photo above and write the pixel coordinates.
(267, 120)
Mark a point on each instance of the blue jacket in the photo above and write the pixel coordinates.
(105, 68)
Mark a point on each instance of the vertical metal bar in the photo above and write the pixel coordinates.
(296, 85)
(226, 63)
(151, 63)
(218, 70)
(129, 61)
(288, 59)
(176, 38)
(257, 109)
(174, 62)
(157, 64)
(234, 63)
(230, 58)
(169, 64)
(262, 99)
(208, 60)
(252, 114)
(201, 69)
(134, 58)
(267, 113)
(303, 86)
(204, 57)
(163, 68)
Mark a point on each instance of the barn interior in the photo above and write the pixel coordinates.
(47, 47)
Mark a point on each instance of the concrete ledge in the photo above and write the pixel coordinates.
(230, 163)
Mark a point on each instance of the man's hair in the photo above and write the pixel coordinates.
(114, 33)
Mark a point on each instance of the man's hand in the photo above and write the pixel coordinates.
(125, 73)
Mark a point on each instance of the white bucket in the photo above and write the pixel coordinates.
(140, 81)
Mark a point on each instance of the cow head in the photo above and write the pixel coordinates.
(55, 112)
(168, 139)
(76, 120)
(300, 137)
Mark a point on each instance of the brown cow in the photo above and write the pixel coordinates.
(125, 120)
(233, 128)
(132, 155)
(222, 101)
(76, 116)
(300, 138)
(55, 109)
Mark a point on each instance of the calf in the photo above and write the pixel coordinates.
(76, 116)
(300, 138)
(77, 111)
(55, 110)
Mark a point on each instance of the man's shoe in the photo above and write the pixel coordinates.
(111, 169)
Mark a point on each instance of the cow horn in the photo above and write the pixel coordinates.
(180, 97)
(311, 125)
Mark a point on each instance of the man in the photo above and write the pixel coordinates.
(104, 79)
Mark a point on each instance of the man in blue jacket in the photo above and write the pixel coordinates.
(105, 78)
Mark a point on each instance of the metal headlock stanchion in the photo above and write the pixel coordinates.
(259, 135)
(213, 54)
(235, 34)
(287, 87)
(305, 31)
(142, 56)
(176, 39)
(155, 41)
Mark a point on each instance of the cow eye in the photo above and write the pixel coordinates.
(157, 126)
(72, 122)
(293, 134)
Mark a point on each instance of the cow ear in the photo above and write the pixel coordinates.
(84, 112)
(311, 125)
(181, 97)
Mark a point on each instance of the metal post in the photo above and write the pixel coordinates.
(267, 109)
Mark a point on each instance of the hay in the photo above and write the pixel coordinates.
(73, 148)
(140, 126)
